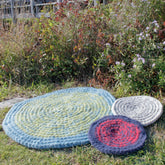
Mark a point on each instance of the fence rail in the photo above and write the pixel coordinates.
(30, 8)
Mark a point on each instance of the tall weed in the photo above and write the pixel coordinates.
(100, 42)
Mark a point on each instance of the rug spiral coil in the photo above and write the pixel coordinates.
(59, 119)
(117, 135)
(144, 109)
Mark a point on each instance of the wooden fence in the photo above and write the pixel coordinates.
(30, 8)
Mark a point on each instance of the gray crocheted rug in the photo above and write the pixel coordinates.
(144, 109)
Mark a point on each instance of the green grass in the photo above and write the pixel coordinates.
(32, 90)
(12, 153)
(22, 63)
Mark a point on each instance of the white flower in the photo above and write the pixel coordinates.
(153, 65)
(164, 43)
(134, 66)
(138, 55)
(154, 21)
(156, 24)
(147, 35)
(147, 28)
(141, 34)
(134, 60)
(108, 44)
(117, 63)
(140, 38)
(142, 59)
(155, 30)
(123, 64)
(129, 75)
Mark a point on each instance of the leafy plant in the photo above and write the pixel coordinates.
(76, 43)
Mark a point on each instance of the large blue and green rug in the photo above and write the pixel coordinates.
(59, 119)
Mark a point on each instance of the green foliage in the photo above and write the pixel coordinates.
(135, 54)
(76, 44)
(142, 72)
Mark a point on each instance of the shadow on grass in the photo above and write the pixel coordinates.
(154, 130)
(161, 121)
(66, 150)
(150, 147)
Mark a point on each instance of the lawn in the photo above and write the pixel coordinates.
(11, 152)
(119, 47)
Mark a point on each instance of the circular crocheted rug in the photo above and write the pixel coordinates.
(117, 135)
(144, 109)
(58, 119)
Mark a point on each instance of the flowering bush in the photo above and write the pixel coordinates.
(119, 45)
(143, 76)
(143, 72)
(136, 53)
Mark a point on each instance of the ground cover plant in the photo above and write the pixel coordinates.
(119, 47)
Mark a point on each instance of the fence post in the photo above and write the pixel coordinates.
(12, 11)
(59, 3)
(96, 2)
(32, 7)
(54, 8)
(104, 2)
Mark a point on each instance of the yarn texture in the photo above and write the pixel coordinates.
(144, 109)
(117, 135)
(58, 119)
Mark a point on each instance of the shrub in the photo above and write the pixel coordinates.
(136, 55)
(100, 42)
(143, 72)
(15, 53)
(63, 46)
